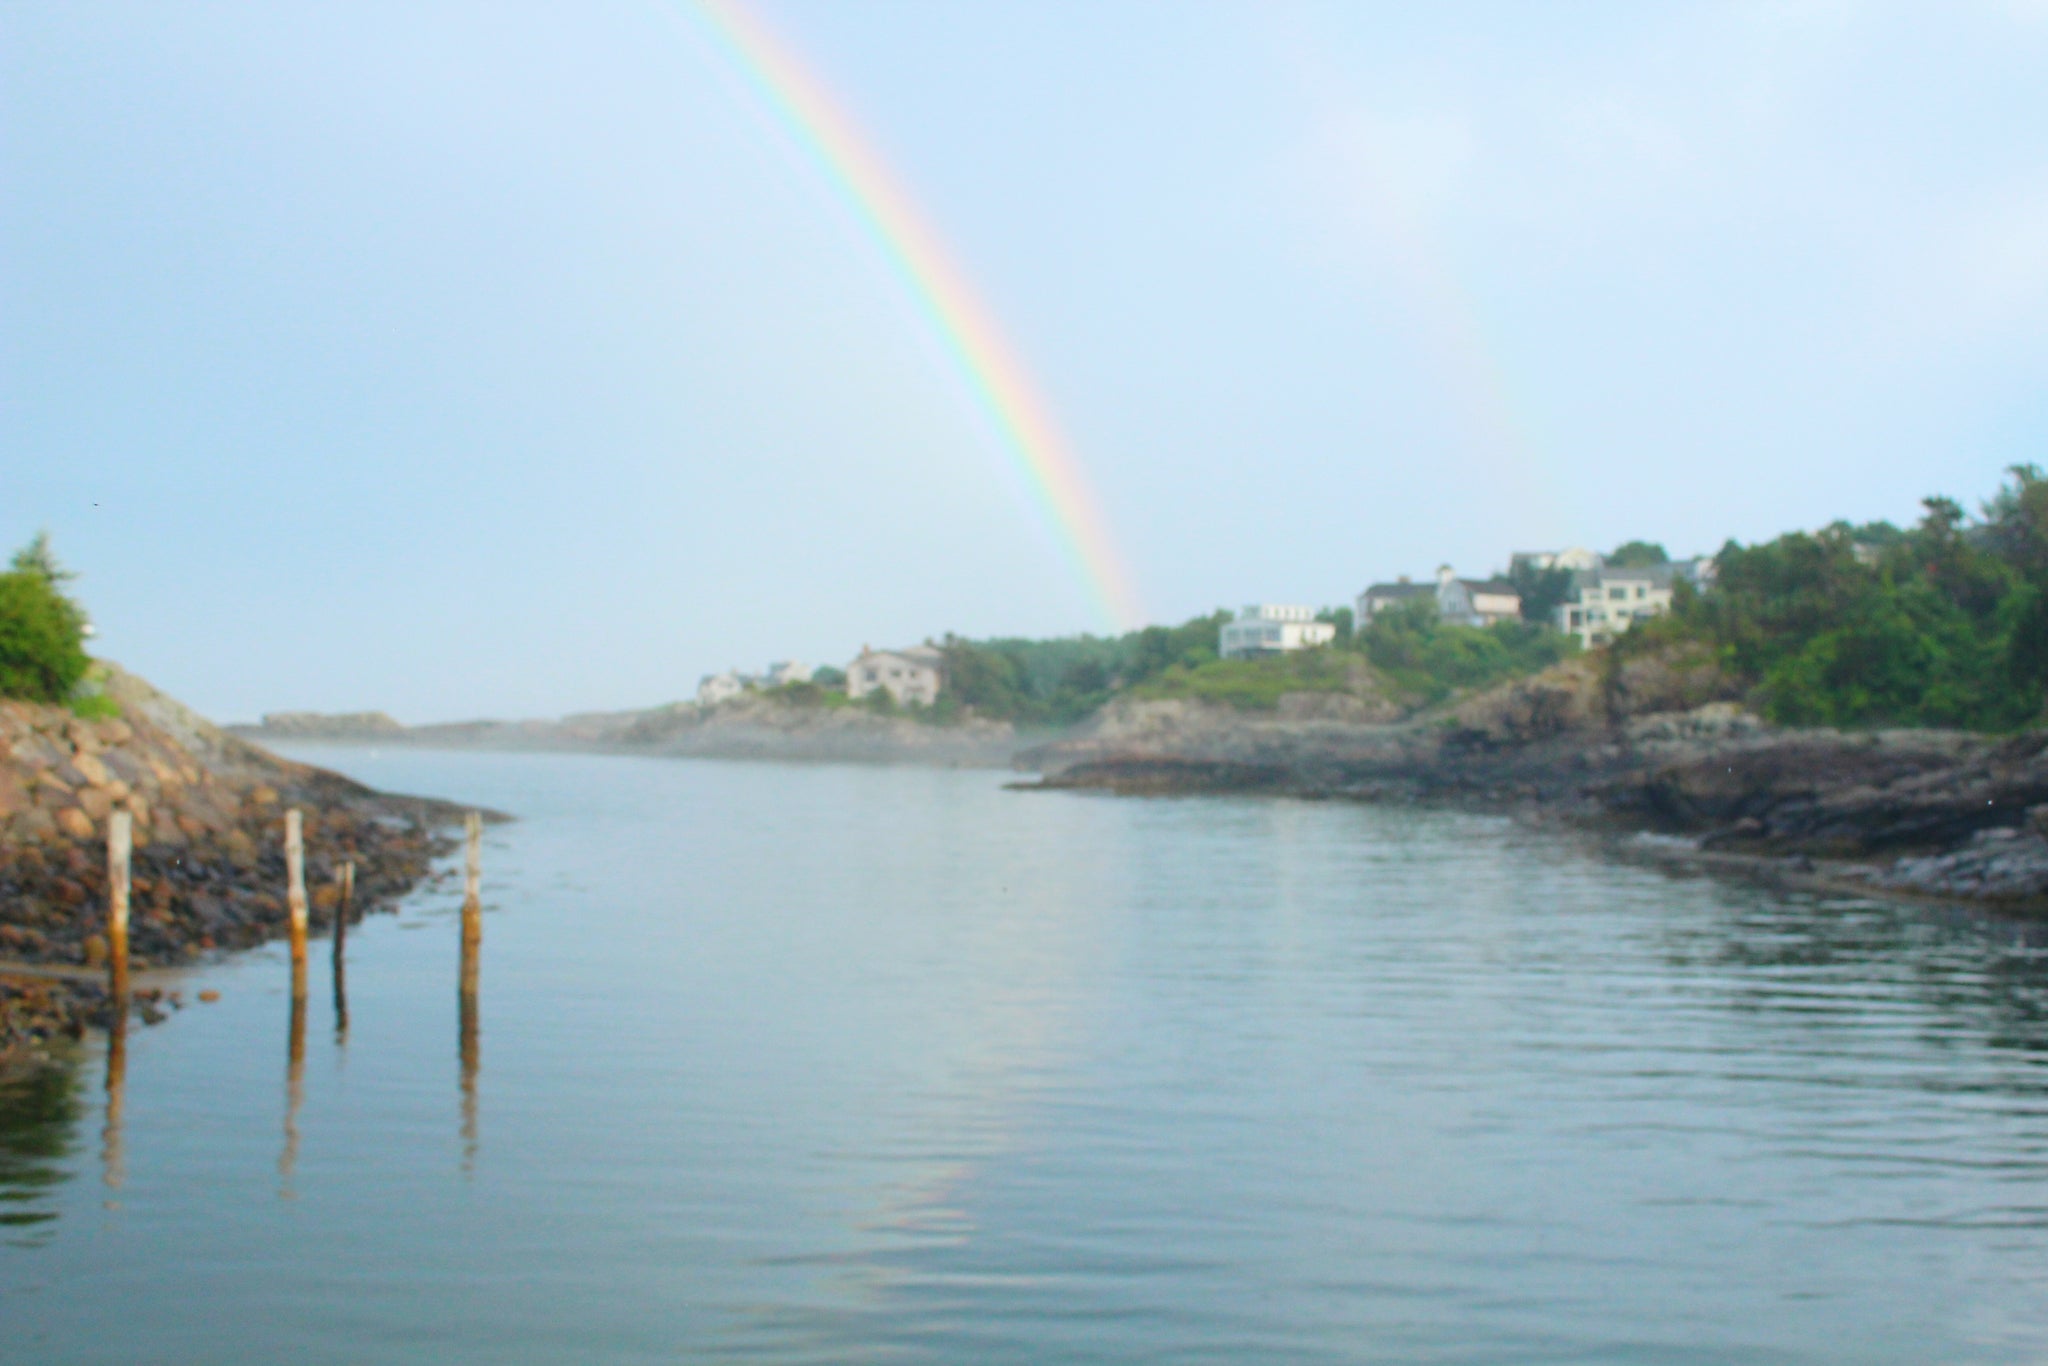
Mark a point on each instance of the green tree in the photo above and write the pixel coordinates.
(1638, 555)
(1542, 591)
(42, 632)
(39, 559)
(1940, 624)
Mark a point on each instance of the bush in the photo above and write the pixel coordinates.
(1941, 624)
(1427, 660)
(1253, 684)
(42, 639)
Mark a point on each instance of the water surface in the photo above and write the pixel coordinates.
(817, 1064)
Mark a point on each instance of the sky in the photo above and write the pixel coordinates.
(517, 359)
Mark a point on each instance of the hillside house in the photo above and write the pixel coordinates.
(1606, 601)
(912, 676)
(715, 688)
(1262, 629)
(1460, 602)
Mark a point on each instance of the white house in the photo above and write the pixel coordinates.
(912, 676)
(1382, 596)
(1266, 630)
(783, 672)
(715, 688)
(1462, 602)
(1605, 602)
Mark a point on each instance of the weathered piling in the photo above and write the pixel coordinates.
(120, 843)
(295, 894)
(472, 904)
(473, 864)
(467, 1048)
(347, 877)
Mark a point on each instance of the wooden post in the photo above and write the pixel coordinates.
(295, 893)
(473, 874)
(347, 878)
(466, 1001)
(472, 905)
(120, 839)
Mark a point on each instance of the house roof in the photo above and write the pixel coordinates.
(927, 656)
(1396, 591)
(1656, 575)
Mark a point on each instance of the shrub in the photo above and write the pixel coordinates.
(42, 638)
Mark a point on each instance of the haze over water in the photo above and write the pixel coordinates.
(814, 1064)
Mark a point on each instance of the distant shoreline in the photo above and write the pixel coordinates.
(1917, 813)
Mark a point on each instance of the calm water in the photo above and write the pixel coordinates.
(790, 1064)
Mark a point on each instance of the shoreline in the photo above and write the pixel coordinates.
(1916, 815)
(207, 871)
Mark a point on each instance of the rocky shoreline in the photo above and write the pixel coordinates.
(1905, 812)
(208, 868)
(747, 727)
(1661, 745)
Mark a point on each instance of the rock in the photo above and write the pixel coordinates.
(95, 948)
(75, 823)
(209, 995)
(14, 794)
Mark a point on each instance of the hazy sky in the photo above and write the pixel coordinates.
(511, 359)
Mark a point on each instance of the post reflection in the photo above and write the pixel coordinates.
(468, 1050)
(294, 1078)
(113, 1152)
(346, 876)
(340, 995)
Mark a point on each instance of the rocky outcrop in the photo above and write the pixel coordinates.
(207, 811)
(1915, 810)
(1314, 737)
(314, 725)
(752, 727)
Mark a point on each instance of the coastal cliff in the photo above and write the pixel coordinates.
(208, 815)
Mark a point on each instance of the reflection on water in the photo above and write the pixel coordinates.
(833, 1065)
(294, 1079)
(343, 906)
(39, 1112)
(113, 1157)
(470, 1055)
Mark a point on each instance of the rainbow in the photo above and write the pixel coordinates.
(995, 379)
